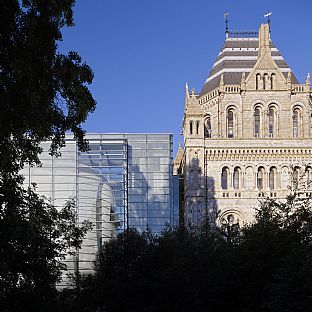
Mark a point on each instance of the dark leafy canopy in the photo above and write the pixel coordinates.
(35, 237)
(265, 267)
(43, 93)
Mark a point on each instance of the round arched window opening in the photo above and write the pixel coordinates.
(230, 123)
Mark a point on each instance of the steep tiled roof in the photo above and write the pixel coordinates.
(238, 56)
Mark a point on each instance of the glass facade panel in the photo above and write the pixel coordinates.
(124, 180)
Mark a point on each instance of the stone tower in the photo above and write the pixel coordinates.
(245, 133)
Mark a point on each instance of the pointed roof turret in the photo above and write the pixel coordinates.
(187, 93)
(193, 107)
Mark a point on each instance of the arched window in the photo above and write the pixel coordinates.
(271, 122)
(208, 127)
(230, 123)
(272, 178)
(236, 175)
(272, 81)
(257, 116)
(191, 127)
(260, 178)
(296, 177)
(224, 178)
(296, 122)
(197, 127)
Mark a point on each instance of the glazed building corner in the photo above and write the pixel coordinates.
(247, 134)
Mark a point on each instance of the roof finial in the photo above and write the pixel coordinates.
(226, 14)
(222, 80)
(187, 93)
(268, 19)
(308, 80)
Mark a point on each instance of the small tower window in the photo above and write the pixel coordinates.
(230, 123)
(296, 121)
(208, 127)
(271, 122)
(272, 178)
(236, 178)
(296, 177)
(197, 127)
(257, 122)
(191, 127)
(224, 178)
(260, 178)
(272, 81)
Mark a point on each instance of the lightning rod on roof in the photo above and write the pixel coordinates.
(226, 14)
(267, 16)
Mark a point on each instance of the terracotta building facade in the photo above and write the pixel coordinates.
(247, 134)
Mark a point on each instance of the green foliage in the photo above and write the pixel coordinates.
(265, 266)
(43, 93)
(34, 239)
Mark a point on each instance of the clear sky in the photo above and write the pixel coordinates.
(143, 51)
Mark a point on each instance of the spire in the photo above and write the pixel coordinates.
(308, 80)
(187, 93)
(193, 93)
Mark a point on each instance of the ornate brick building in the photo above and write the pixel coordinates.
(245, 130)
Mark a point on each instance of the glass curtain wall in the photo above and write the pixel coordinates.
(123, 180)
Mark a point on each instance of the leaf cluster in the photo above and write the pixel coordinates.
(43, 93)
(265, 266)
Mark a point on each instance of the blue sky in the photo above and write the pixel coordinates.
(143, 51)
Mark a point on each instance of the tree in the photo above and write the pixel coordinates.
(43, 94)
(35, 237)
(265, 266)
